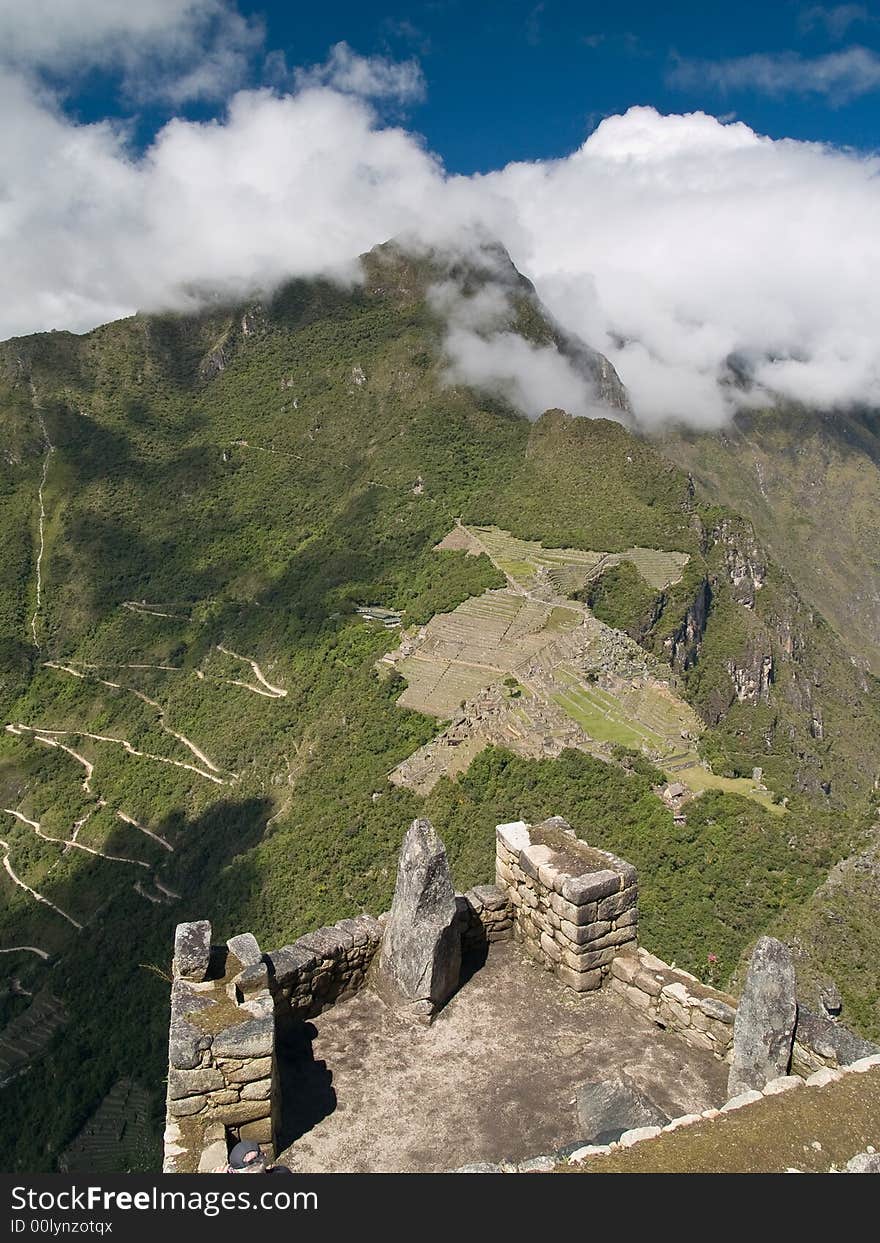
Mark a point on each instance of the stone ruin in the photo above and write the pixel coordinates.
(571, 906)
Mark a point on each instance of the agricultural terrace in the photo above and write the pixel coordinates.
(568, 569)
(560, 654)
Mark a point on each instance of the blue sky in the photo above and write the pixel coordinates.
(512, 80)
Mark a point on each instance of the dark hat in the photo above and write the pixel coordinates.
(247, 1158)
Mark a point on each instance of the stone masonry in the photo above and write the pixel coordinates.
(677, 1001)
(575, 908)
(323, 967)
(572, 906)
(222, 1074)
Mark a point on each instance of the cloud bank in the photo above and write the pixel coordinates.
(673, 244)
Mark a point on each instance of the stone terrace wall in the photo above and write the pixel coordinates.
(704, 1017)
(331, 964)
(323, 967)
(575, 908)
(676, 1000)
(222, 1076)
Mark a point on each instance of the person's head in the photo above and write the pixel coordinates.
(247, 1158)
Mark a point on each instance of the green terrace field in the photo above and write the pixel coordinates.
(568, 569)
(605, 717)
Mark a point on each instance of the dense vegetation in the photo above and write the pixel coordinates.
(620, 597)
(253, 475)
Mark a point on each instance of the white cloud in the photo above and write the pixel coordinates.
(170, 50)
(485, 352)
(670, 243)
(838, 76)
(371, 77)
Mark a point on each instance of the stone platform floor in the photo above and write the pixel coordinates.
(493, 1078)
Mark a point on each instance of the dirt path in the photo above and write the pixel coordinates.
(38, 897)
(157, 837)
(49, 450)
(68, 842)
(112, 664)
(37, 730)
(139, 889)
(154, 610)
(270, 691)
(80, 759)
(130, 690)
(30, 949)
(245, 444)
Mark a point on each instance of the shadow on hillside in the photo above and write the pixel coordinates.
(100, 894)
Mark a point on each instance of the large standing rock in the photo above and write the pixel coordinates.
(765, 1019)
(420, 958)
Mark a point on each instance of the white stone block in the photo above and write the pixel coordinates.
(864, 1063)
(684, 1120)
(819, 1078)
(635, 1136)
(514, 835)
(738, 1102)
(783, 1083)
(679, 993)
(589, 1150)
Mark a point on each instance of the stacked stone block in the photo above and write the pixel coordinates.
(222, 1076)
(677, 1001)
(323, 967)
(575, 908)
(485, 916)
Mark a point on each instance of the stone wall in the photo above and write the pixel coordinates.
(323, 967)
(575, 908)
(703, 1016)
(485, 916)
(677, 1001)
(222, 1074)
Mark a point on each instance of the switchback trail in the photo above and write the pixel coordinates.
(38, 897)
(130, 690)
(270, 691)
(68, 842)
(157, 837)
(38, 730)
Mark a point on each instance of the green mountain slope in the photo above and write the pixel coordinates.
(208, 500)
(809, 482)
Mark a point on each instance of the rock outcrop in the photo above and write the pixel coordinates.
(609, 1107)
(192, 950)
(763, 1030)
(420, 958)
